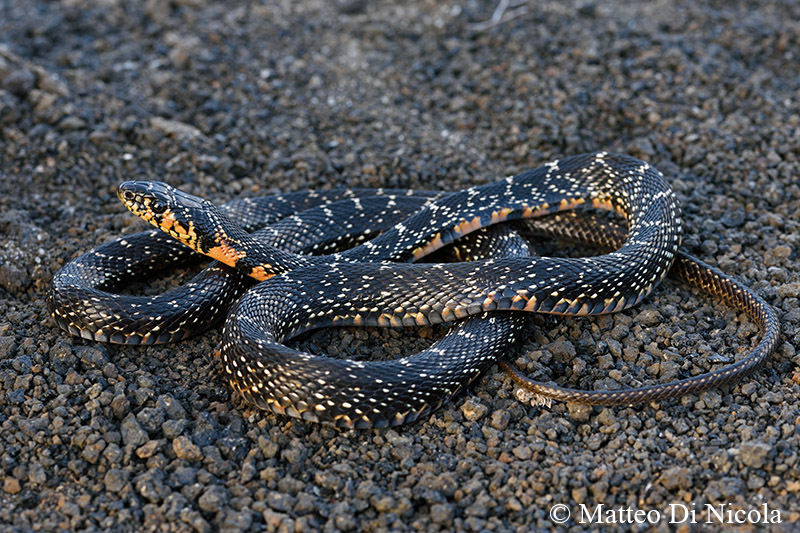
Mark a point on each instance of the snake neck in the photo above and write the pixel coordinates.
(238, 249)
(218, 237)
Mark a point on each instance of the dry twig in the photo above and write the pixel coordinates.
(501, 14)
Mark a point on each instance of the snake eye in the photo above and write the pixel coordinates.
(158, 207)
(128, 195)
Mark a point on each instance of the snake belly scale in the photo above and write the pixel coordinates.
(365, 285)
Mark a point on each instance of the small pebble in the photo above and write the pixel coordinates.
(11, 485)
(186, 449)
(213, 498)
(473, 410)
(754, 453)
(676, 477)
(132, 433)
(115, 479)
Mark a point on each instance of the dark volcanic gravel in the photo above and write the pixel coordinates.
(249, 98)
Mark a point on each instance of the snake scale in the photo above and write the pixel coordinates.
(378, 282)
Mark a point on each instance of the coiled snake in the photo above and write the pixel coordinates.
(376, 283)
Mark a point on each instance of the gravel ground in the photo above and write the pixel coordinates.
(249, 98)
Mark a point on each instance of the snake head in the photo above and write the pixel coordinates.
(175, 212)
(201, 226)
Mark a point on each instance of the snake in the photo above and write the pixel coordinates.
(380, 282)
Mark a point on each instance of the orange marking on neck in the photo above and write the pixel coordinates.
(167, 221)
(184, 234)
(180, 230)
(225, 253)
(261, 273)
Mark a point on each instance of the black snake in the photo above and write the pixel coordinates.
(364, 285)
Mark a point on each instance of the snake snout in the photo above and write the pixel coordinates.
(127, 195)
(126, 191)
(133, 193)
(130, 194)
